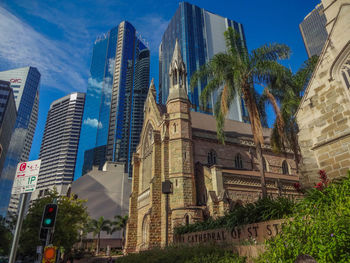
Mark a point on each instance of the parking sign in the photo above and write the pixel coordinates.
(26, 177)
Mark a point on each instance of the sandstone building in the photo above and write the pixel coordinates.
(208, 178)
(324, 112)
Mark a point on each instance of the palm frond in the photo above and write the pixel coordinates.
(303, 75)
(269, 52)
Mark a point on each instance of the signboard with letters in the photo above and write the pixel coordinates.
(26, 177)
(257, 232)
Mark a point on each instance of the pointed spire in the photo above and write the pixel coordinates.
(152, 88)
(176, 61)
(177, 54)
(177, 75)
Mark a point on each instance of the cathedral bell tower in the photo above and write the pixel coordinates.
(181, 171)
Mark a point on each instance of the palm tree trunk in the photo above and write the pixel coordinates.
(256, 131)
(123, 238)
(279, 119)
(98, 244)
(262, 171)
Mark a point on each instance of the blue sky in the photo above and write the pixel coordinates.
(57, 36)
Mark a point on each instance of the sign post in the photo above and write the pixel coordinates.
(25, 182)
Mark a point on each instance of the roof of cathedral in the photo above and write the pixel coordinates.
(238, 129)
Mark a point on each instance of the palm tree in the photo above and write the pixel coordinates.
(120, 224)
(289, 89)
(237, 72)
(97, 226)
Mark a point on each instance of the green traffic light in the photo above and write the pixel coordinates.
(47, 221)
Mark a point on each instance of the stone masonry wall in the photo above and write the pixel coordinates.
(225, 155)
(324, 113)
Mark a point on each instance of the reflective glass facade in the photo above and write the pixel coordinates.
(8, 114)
(313, 31)
(200, 35)
(130, 86)
(94, 130)
(25, 85)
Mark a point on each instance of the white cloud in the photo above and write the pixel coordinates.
(93, 123)
(97, 85)
(21, 45)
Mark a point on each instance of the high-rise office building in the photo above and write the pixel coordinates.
(94, 130)
(201, 35)
(25, 86)
(59, 146)
(8, 114)
(313, 31)
(130, 86)
(113, 120)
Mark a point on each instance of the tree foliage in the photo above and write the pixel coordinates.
(320, 226)
(96, 226)
(236, 72)
(259, 211)
(72, 218)
(184, 254)
(5, 237)
(288, 89)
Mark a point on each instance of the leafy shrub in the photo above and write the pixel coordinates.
(184, 254)
(262, 210)
(320, 226)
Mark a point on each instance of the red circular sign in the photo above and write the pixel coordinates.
(23, 166)
(49, 253)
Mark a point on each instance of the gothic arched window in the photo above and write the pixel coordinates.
(238, 161)
(212, 157)
(187, 220)
(285, 167)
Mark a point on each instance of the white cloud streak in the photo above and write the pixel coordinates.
(64, 62)
(93, 123)
(21, 45)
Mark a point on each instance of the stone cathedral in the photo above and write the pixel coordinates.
(208, 178)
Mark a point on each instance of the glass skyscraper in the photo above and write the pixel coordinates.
(117, 89)
(8, 114)
(313, 31)
(94, 130)
(25, 85)
(201, 36)
(130, 87)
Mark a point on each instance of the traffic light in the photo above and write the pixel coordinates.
(49, 255)
(49, 216)
(43, 233)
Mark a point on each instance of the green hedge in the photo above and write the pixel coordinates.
(321, 226)
(184, 254)
(261, 210)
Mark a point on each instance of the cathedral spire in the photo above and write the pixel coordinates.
(177, 75)
(152, 88)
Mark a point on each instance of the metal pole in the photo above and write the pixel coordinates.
(166, 219)
(23, 200)
(48, 238)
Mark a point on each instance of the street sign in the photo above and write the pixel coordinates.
(39, 249)
(49, 255)
(26, 177)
